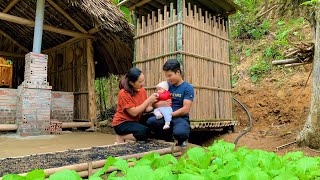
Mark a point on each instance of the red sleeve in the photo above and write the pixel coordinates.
(126, 100)
(164, 96)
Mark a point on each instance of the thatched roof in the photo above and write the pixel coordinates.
(114, 41)
(215, 7)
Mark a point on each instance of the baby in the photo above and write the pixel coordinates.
(164, 94)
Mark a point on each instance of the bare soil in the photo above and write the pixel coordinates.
(279, 106)
(70, 157)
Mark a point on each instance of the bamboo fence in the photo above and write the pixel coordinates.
(204, 57)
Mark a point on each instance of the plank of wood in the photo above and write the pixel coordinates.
(12, 55)
(10, 6)
(66, 15)
(14, 41)
(30, 23)
(91, 82)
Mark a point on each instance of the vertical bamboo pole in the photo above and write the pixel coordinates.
(207, 79)
(200, 63)
(213, 65)
(202, 46)
(165, 38)
(230, 72)
(215, 48)
(220, 69)
(91, 83)
(197, 61)
(190, 58)
(152, 49)
(185, 45)
(158, 65)
(166, 32)
(180, 13)
(171, 36)
(136, 40)
(223, 67)
(143, 45)
(160, 47)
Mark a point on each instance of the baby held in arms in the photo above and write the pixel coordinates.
(165, 112)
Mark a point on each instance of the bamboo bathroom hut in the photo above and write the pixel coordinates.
(197, 34)
(84, 39)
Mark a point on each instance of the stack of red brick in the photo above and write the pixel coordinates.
(55, 127)
(34, 97)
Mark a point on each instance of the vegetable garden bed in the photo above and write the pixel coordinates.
(24, 164)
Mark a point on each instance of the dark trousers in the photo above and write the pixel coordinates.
(179, 128)
(139, 131)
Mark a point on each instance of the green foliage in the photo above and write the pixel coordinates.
(219, 161)
(244, 23)
(310, 3)
(266, 38)
(234, 79)
(36, 174)
(248, 52)
(124, 10)
(107, 90)
(259, 69)
(65, 174)
(96, 176)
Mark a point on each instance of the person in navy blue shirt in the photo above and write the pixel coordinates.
(182, 94)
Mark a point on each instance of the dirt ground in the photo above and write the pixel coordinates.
(279, 106)
(71, 157)
(13, 145)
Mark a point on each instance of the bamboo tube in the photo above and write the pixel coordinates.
(157, 62)
(137, 40)
(216, 109)
(296, 64)
(166, 38)
(111, 169)
(154, 48)
(190, 58)
(8, 127)
(13, 127)
(75, 124)
(285, 61)
(220, 72)
(83, 167)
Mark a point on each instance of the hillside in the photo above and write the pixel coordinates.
(278, 98)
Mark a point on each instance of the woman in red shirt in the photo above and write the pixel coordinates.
(132, 103)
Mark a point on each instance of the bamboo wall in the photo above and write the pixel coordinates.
(70, 75)
(204, 54)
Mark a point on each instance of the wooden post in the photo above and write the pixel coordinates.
(91, 83)
(100, 98)
(38, 29)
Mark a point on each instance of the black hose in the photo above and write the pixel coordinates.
(249, 116)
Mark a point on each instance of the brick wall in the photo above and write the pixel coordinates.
(8, 105)
(62, 106)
